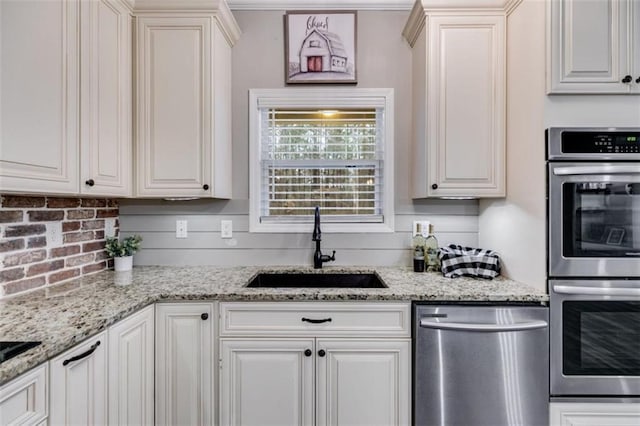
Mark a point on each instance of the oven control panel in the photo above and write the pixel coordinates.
(578, 142)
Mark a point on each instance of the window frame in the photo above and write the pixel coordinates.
(321, 99)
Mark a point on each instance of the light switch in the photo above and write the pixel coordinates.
(226, 229)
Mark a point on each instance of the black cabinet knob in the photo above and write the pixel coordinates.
(205, 187)
(90, 182)
(307, 352)
(321, 352)
(638, 80)
(204, 316)
(434, 186)
(627, 79)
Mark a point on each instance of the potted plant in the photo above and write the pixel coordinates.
(122, 251)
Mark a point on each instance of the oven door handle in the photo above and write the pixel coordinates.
(597, 291)
(611, 169)
(461, 326)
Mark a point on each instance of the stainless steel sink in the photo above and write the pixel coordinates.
(320, 280)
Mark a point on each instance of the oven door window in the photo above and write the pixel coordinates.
(601, 219)
(601, 338)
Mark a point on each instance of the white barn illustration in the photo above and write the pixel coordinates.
(322, 51)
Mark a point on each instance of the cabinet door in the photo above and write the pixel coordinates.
(23, 401)
(131, 370)
(634, 10)
(363, 382)
(590, 414)
(266, 382)
(173, 106)
(184, 364)
(39, 94)
(106, 98)
(79, 384)
(588, 46)
(466, 106)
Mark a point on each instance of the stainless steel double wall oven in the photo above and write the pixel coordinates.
(594, 261)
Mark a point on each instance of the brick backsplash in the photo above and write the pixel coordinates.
(28, 261)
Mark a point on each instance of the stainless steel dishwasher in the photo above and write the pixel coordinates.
(481, 365)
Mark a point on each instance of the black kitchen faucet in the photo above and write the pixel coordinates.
(318, 257)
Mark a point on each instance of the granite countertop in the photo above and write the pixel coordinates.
(66, 314)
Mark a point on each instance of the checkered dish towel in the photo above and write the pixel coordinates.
(471, 262)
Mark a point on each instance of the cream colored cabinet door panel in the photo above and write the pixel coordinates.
(634, 8)
(184, 363)
(363, 382)
(106, 150)
(174, 106)
(131, 360)
(466, 106)
(267, 382)
(39, 96)
(79, 384)
(24, 400)
(594, 414)
(588, 46)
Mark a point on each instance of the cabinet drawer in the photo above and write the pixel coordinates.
(24, 400)
(315, 319)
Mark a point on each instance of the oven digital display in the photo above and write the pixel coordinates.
(576, 142)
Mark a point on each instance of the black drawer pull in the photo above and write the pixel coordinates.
(627, 79)
(204, 316)
(307, 352)
(316, 321)
(82, 355)
(321, 352)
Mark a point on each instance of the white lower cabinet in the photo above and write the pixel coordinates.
(317, 369)
(184, 363)
(131, 369)
(594, 414)
(79, 384)
(363, 382)
(267, 382)
(23, 401)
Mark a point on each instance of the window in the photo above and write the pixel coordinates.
(331, 148)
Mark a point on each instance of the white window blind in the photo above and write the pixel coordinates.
(333, 159)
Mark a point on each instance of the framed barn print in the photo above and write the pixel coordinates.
(320, 47)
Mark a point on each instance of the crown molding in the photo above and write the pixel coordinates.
(320, 4)
(217, 8)
(422, 8)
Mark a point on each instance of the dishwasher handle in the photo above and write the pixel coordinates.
(460, 326)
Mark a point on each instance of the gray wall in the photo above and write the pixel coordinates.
(383, 60)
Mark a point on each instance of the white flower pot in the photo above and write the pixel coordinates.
(122, 263)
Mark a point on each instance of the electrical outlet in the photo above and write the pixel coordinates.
(181, 229)
(54, 234)
(110, 227)
(420, 227)
(226, 229)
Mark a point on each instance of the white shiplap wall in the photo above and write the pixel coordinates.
(454, 222)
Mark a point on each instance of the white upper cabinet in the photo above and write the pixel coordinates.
(39, 96)
(65, 97)
(106, 98)
(459, 114)
(183, 74)
(593, 46)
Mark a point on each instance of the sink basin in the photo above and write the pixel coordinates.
(321, 280)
